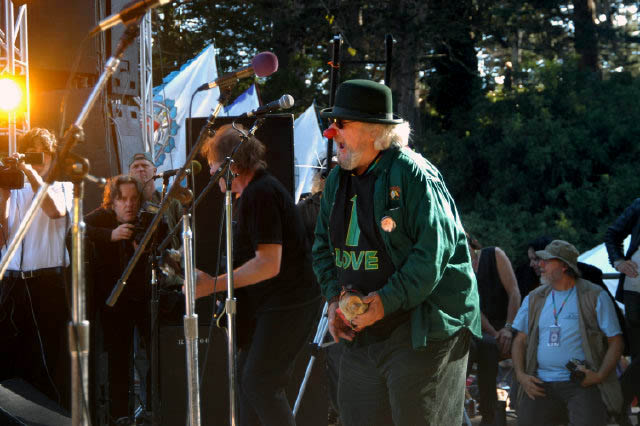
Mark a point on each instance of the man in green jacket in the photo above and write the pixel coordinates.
(389, 229)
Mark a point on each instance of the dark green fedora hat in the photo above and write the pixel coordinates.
(363, 100)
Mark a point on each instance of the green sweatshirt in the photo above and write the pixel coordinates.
(433, 277)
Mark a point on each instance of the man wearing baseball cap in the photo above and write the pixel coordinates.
(389, 229)
(568, 343)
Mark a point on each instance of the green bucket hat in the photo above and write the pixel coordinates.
(363, 100)
(561, 250)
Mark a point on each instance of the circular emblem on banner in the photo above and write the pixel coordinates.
(387, 224)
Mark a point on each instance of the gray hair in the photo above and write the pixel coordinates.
(387, 135)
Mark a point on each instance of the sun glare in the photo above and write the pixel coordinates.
(10, 94)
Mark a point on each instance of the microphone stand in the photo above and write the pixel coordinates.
(190, 321)
(230, 305)
(231, 302)
(154, 313)
(80, 327)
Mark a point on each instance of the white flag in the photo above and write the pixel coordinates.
(310, 147)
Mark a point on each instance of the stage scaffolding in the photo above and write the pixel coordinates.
(14, 61)
(146, 83)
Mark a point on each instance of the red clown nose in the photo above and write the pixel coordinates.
(330, 133)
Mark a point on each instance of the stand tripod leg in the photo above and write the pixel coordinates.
(321, 332)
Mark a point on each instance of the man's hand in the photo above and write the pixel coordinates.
(338, 328)
(629, 268)
(204, 284)
(374, 313)
(503, 340)
(32, 176)
(531, 385)
(590, 377)
(122, 232)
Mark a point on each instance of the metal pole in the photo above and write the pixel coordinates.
(146, 82)
(388, 48)
(155, 372)
(334, 79)
(79, 326)
(191, 323)
(230, 307)
(11, 67)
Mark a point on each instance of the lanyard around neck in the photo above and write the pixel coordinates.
(553, 298)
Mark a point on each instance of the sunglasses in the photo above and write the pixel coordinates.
(339, 122)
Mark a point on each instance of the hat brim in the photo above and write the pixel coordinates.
(337, 112)
(545, 255)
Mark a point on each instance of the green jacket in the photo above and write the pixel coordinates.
(433, 277)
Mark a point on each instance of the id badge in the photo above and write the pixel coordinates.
(554, 336)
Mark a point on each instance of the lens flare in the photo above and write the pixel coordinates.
(10, 94)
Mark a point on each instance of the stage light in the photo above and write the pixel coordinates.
(11, 94)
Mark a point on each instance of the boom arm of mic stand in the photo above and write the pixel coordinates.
(119, 287)
(70, 138)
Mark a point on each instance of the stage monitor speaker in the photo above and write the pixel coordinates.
(277, 134)
(214, 388)
(22, 404)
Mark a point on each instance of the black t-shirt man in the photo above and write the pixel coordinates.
(266, 214)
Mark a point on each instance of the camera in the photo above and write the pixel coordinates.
(143, 219)
(577, 376)
(10, 176)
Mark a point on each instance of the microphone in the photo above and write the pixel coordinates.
(262, 65)
(195, 169)
(132, 11)
(285, 102)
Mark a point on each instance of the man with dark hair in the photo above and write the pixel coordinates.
(566, 319)
(33, 307)
(276, 296)
(388, 228)
(111, 228)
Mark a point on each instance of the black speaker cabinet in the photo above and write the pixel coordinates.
(214, 388)
(277, 135)
(214, 395)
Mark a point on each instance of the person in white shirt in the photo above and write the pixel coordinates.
(34, 311)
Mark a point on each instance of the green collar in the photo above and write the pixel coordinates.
(384, 161)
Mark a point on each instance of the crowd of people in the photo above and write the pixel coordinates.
(385, 231)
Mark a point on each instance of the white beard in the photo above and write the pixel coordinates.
(349, 160)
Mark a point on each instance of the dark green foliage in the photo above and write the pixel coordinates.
(560, 158)
(557, 155)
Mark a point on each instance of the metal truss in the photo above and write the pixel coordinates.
(146, 83)
(14, 61)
